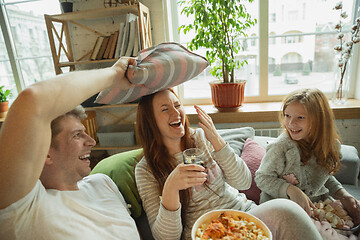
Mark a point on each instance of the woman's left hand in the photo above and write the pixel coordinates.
(208, 126)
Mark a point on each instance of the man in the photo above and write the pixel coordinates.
(45, 191)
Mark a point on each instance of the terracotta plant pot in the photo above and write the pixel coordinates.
(4, 107)
(227, 96)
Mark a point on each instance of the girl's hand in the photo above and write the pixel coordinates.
(298, 196)
(185, 176)
(352, 206)
(208, 126)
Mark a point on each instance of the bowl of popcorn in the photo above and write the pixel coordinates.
(334, 213)
(229, 224)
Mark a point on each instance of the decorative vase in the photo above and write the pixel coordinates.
(67, 7)
(4, 107)
(227, 96)
(341, 84)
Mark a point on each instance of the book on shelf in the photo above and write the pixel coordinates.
(113, 45)
(103, 48)
(108, 47)
(125, 38)
(125, 41)
(131, 41)
(137, 46)
(96, 48)
(119, 40)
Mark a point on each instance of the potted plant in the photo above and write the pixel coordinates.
(4, 101)
(218, 26)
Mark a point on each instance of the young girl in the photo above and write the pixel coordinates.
(174, 194)
(300, 163)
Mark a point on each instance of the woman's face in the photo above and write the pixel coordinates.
(296, 121)
(169, 115)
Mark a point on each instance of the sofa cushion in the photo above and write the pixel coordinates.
(236, 137)
(252, 154)
(160, 67)
(120, 168)
(350, 166)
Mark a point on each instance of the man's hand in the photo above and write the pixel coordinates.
(121, 67)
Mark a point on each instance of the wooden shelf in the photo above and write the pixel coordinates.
(69, 64)
(96, 13)
(61, 41)
(112, 106)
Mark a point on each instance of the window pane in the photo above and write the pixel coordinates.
(37, 69)
(198, 88)
(301, 44)
(28, 26)
(28, 29)
(6, 76)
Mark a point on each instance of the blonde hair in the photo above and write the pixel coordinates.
(323, 134)
(78, 112)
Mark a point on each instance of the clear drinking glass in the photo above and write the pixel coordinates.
(194, 156)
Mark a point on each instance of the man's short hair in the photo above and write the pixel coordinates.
(78, 112)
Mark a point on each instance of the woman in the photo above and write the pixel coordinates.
(167, 186)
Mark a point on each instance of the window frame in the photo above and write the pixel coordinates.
(263, 22)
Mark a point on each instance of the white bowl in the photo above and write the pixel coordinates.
(212, 215)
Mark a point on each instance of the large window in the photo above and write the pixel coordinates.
(25, 56)
(290, 48)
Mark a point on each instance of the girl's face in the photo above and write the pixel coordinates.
(296, 121)
(169, 116)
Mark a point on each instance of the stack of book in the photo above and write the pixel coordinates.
(123, 42)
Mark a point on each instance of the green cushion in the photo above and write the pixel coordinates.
(120, 168)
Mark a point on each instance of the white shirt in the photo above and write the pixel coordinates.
(96, 211)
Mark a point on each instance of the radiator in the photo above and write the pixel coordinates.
(270, 132)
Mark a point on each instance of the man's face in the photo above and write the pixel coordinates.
(71, 152)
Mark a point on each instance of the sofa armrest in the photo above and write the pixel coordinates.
(350, 165)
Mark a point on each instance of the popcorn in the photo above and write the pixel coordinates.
(334, 213)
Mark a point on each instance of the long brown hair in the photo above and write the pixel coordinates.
(323, 131)
(157, 156)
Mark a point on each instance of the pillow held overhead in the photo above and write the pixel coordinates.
(160, 67)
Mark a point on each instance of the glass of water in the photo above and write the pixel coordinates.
(194, 156)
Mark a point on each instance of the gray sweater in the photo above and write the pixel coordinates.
(282, 166)
(227, 174)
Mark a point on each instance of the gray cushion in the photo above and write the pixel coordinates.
(350, 164)
(236, 137)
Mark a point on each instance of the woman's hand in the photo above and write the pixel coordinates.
(185, 176)
(182, 177)
(208, 126)
(298, 196)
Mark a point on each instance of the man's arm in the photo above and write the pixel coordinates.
(25, 135)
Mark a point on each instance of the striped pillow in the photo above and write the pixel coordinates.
(160, 67)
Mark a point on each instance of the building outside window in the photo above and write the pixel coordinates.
(25, 46)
